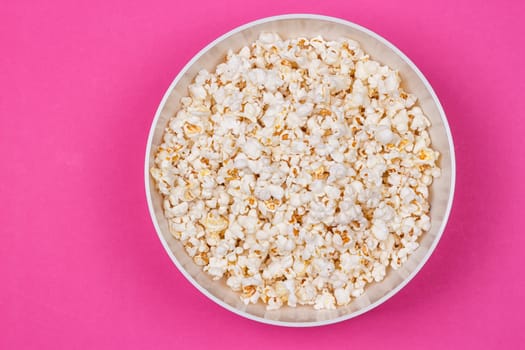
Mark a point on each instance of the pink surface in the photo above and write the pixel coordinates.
(81, 266)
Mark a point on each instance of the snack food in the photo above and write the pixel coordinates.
(298, 171)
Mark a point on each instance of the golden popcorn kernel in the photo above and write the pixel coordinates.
(233, 174)
(320, 173)
(248, 291)
(272, 204)
(373, 93)
(215, 224)
(402, 144)
(361, 152)
(201, 259)
(325, 112)
(343, 235)
(264, 298)
(302, 44)
(364, 262)
(355, 225)
(174, 159)
(191, 129)
(424, 155)
(290, 64)
(296, 218)
(241, 84)
(423, 167)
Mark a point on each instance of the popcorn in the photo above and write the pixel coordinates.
(298, 172)
(325, 300)
(384, 135)
(379, 230)
(342, 296)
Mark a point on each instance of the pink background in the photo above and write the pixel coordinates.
(80, 264)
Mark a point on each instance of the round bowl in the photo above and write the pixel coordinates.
(441, 193)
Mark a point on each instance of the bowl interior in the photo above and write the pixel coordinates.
(441, 190)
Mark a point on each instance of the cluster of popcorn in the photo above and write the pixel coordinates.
(298, 171)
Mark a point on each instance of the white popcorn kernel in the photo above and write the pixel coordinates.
(249, 223)
(380, 230)
(419, 121)
(426, 180)
(262, 235)
(407, 195)
(337, 240)
(391, 83)
(199, 111)
(337, 171)
(251, 111)
(179, 210)
(332, 192)
(257, 77)
(241, 161)
(276, 192)
(357, 292)
(252, 149)
(342, 296)
(295, 200)
(400, 121)
(197, 92)
(224, 199)
(215, 223)
(378, 272)
(365, 69)
(292, 298)
(384, 135)
(407, 225)
(317, 187)
(324, 301)
(234, 282)
(349, 262)
(269, 38)
(306, 294)
(394, 179)
(299, 147)
(424, 223)
(357, 186)
(263, 193)
(216, 267)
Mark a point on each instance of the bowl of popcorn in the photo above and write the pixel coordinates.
(300, 170)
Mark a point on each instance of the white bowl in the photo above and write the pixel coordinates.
(413, 81)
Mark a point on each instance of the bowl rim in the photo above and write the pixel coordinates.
(440, 231)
